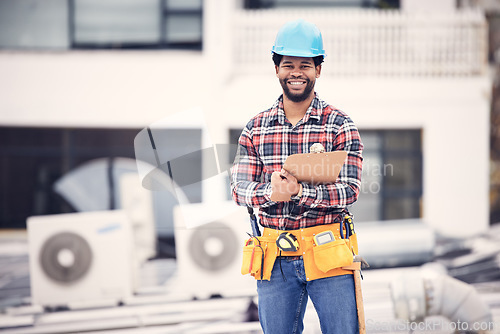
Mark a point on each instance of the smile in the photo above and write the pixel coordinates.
(296, 83)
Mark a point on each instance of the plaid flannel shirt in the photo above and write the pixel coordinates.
(265, 143)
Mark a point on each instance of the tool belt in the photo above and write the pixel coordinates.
(320, 260)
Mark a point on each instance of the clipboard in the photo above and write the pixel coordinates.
(316, 168)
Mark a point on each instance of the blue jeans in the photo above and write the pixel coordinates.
(282, 304)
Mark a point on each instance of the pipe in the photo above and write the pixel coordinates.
(431, 292)
(396, 243)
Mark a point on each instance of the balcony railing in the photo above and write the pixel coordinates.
(371, 42)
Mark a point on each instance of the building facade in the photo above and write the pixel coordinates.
(416, 83)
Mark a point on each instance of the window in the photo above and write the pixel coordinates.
(33, 159)
(234, 135)
(98, 24)
(33, 24)
(258, 4)
(392, 174)
(125, 23)
(136, 24)
(182, 23)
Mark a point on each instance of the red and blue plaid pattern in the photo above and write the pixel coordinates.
(265, 143)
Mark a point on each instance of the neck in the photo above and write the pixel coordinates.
(294, 111)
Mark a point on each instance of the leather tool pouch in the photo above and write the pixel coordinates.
(332, 255)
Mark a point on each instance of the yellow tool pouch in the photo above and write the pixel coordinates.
(252, 258)
(332, 255)
(259, 254)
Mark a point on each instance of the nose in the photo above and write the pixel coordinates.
(296, 72)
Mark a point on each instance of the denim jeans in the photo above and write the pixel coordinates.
(282, 304)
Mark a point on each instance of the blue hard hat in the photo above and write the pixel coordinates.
(299, 39)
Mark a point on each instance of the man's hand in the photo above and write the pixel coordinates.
(284, 185)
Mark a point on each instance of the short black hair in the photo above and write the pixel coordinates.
(277, 59)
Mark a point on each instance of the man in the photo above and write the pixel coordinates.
(296, 121)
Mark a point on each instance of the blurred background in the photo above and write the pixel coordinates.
(82, 81)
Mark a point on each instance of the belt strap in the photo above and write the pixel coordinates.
(304, 236)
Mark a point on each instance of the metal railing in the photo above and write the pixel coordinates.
(371, 42)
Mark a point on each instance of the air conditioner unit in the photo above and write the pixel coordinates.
(209, 255)
(80, 258)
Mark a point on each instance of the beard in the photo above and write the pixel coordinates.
(297, 97)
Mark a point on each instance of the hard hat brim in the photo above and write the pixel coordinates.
(297, 53)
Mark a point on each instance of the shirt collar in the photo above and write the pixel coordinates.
(314, 111)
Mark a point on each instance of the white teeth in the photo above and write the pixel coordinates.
(295, 83)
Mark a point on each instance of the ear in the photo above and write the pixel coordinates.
(318, 71)
(277, 69)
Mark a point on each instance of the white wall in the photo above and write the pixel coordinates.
(134, 89)
(99, 89)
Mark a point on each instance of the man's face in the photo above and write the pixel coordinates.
(297, 76)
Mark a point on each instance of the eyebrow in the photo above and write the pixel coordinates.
(302, 62)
